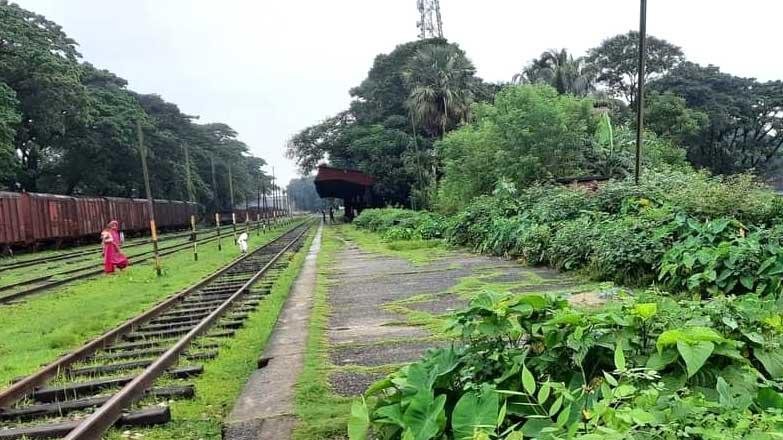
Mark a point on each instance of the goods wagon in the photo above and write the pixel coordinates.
(252, 212)
(27, 218)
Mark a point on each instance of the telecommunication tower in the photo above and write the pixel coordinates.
(430, 24)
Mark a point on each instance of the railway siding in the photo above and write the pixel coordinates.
(232, 289)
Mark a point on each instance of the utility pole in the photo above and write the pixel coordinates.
(263, 191)
(150, 203)
(233, 213)
(640, 96)
(258, 206)
(217, 202)
(214, 184)
(192, 199)
(274, 198)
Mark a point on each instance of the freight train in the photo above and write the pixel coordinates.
(28, 219)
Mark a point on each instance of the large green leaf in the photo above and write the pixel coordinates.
(695, 354)
(533, 427)
(772, 361)
(425, 417)
(359, 422)
(659, 361)
(474, 413)
(769, 398)
(689, 335)
(389, 415)
(619, 356)
(528, 381)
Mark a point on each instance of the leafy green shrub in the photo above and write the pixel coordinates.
(721, 257)
(531, 366)
(627, 249)
(402, 224)
(573, 243)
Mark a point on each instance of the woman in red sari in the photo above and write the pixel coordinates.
(112, 255)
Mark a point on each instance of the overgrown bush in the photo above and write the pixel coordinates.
(628, 249)
(622, 232)
(573, 243)
(532, 366)
(402, 224)
(723, 257)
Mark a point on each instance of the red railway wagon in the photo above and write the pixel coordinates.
(12, 229)
(27, 218)
(225, 217)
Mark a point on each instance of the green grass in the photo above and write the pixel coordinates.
(47, 325)
(94, 259)
(418, 252)
(321, 413)
(223, 378)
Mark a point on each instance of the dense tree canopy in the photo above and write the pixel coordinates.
(410, 97)
(560, 70)
(532, 133)
(745, 117)
(616, 59)
(69, 127)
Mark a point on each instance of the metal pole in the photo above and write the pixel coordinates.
(247, 214)
(214, 184)
(233, 213)
(217, 228)
(263, 191)
(150, 203)
(640, 96)
(258, 206)
(274, 197)
(192, 199)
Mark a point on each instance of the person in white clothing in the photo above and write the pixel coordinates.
(242, 242)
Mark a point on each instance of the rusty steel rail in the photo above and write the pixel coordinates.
(20, 389)
(105, 416)
(55, 283)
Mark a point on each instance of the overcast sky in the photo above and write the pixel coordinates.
(270, 68)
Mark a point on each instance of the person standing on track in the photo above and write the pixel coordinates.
(112, 255)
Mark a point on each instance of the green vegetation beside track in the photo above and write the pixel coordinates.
(223, 378)
(45, 326)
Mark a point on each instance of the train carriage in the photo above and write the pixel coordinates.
(91, 215)
(126, 211)
(13, 229)
(29, 218)
(55, 217)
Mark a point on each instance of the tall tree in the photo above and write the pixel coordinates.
(745, 128)
(668, 115)
(616, 62)
(560, 70)
(40, 63)
(377, 133)
(441, 79)
(108, 137)
(9, 121)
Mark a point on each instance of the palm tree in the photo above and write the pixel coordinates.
(560, 70)
(440, 78)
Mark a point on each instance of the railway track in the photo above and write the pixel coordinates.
(97, 250)
(122, 376)
(14, 291)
